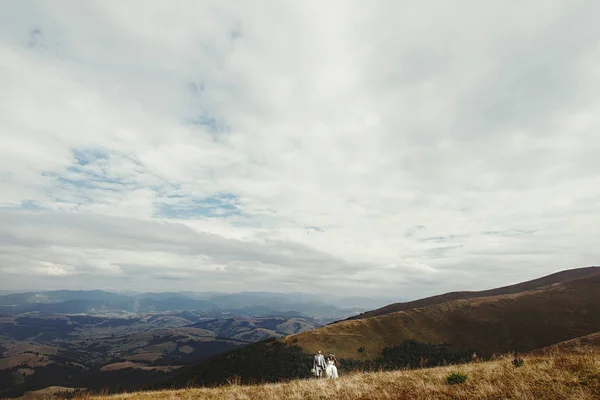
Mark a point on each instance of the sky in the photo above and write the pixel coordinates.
(398, 148)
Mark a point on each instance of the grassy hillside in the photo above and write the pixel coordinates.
(581, 345)
(512, 322)
(557, 377)
(559, 277)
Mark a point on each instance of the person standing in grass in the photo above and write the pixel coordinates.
(319, 365)
(331, 370)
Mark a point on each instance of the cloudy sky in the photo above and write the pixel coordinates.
(398, 148)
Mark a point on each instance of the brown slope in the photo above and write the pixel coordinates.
(559, 277)
(510, 322)
(581, 345)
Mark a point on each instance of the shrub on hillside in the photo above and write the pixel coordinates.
(456, 378)
(518, 362)
(266, 361)
(73, 394)
(414, 354)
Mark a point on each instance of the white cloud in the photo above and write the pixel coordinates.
(391, 147)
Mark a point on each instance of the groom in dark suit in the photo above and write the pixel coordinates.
(319, 364)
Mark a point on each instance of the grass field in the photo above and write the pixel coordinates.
(557, 376)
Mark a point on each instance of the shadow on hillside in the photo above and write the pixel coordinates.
(274, 361)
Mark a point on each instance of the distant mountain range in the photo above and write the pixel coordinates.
(250, 304)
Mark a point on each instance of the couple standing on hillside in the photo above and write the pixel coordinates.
(328, 366)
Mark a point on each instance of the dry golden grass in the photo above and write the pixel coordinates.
(553, 377)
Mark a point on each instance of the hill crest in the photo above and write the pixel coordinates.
(558, 277)
(520, 321)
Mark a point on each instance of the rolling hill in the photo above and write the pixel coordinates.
(118, 360)
(559, 277)
(255, 329)
(518, 321)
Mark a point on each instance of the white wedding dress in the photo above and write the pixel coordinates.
(331, 370)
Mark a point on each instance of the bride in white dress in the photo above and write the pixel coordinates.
(331, 370)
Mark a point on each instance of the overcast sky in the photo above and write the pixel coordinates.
(399, 148)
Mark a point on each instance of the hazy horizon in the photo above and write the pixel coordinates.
(389, 298)
(393, 148)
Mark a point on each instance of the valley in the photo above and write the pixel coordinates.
(108, 345)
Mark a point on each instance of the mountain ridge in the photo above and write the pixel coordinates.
(520, 321)
(248, 304)
(557, 277)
